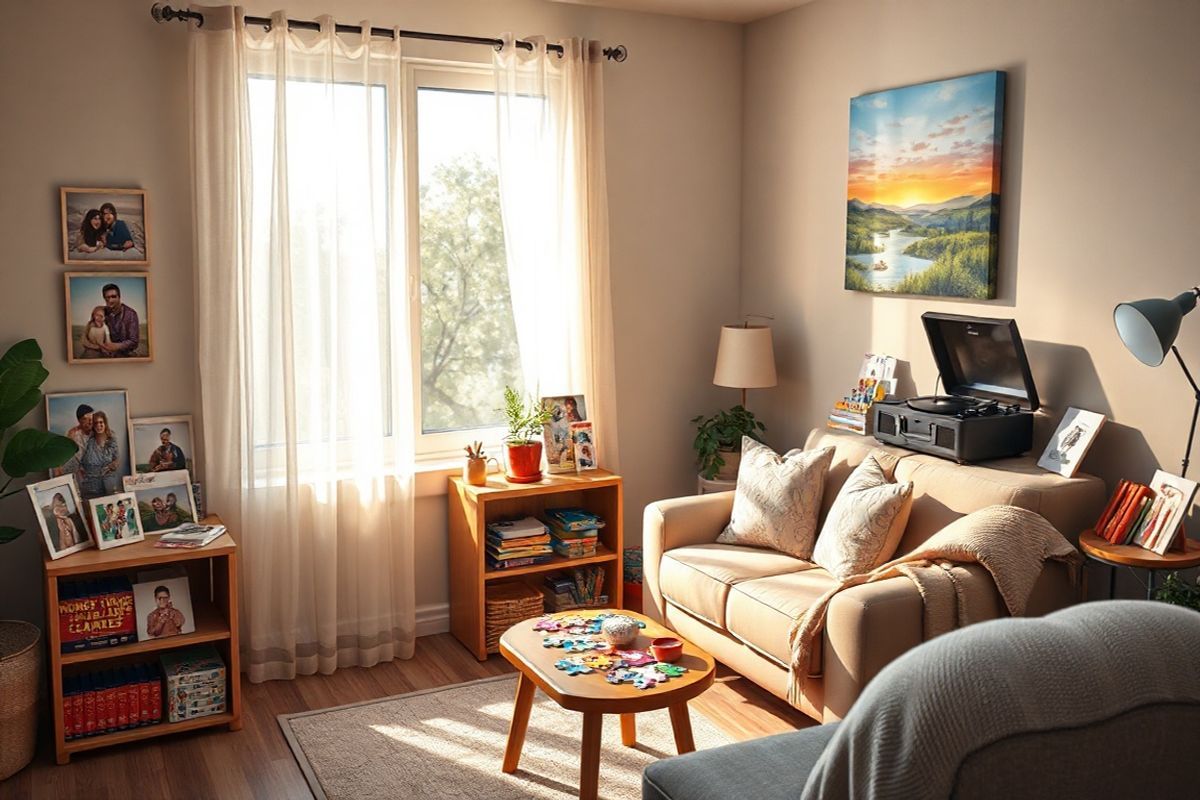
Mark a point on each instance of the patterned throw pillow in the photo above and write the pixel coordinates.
(865, 524)
(778, 499)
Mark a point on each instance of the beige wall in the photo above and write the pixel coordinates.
(96, 94)
(1099, 200)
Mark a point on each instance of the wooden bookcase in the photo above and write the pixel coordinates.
(212, 581)
(471, 508)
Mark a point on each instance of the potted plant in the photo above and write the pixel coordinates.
(1179, 592)
(25, 452)
(523, 444)
(718, 442)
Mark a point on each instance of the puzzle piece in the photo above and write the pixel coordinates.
(648, 678)
(621, 676)
(599, 661)
(578, 645)
(572, 666)
(670, 670)
(634, 658)
(547, 624)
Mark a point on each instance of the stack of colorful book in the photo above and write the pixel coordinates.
(875, 381)
(517, 543)
(1147, 517)
(573, 531)
(581, 587)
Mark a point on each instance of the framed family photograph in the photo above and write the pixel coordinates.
(164, 500)
(560, 450)
(104, 226)
(115, 520)
(108, 317)
(98, 423)
(60, 515)
(163, 444)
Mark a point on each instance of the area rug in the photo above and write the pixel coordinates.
(449, 743)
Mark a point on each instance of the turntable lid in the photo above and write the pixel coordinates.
(981, 357)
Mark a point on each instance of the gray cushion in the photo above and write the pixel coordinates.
(771, 768)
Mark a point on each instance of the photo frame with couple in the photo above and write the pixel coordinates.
(165, 500)
(104, 226)
(98, 423)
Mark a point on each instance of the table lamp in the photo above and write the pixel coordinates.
(745, 358)
(1149, 329)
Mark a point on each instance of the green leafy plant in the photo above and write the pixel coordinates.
(525, 418)
(1178, 592)
(722, 431)
(28, 450)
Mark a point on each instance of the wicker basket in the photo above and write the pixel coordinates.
(507, 604)
(20, 668)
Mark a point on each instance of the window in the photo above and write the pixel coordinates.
(466, 346)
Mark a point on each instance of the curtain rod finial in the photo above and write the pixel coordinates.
(618, 53)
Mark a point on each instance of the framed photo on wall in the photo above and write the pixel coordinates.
(60, 516)
(98, 423)
(104, 226)
(163, 444)
(108, 317)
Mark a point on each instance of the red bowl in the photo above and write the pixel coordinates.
(666, 648)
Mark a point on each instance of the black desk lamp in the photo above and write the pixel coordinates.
(1149, 328)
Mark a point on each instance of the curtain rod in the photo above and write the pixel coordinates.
(164, 13)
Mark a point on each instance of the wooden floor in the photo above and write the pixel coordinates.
(256, 762)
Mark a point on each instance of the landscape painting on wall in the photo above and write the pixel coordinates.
(923, 195)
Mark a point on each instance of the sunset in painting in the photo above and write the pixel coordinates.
(923, 191)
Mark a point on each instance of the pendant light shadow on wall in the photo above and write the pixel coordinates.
(1149, 329)
(745, 360)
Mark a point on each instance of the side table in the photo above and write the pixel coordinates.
(1126, 555)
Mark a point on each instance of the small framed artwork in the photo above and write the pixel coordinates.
(583, 438)
(560, 451)
(104, 226)
(1171, 501)
(108, 317)
(1071, 441)
(162, 444)
(163, 608)
(98, 423)
(164, 499)
(115, 520)
(60, 515)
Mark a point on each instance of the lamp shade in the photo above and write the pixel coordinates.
(1149, 327)
(745, 357)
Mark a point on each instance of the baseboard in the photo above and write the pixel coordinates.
(433, 618)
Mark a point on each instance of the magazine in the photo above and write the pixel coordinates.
(189, 537)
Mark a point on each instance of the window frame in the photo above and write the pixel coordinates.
(450, 75)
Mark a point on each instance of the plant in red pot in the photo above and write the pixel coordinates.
(523, 444)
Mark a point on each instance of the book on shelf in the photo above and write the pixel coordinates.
(523, 561)
(875, 381)
(518, 552)
(96, 613)
(517, 528)
(524, 541)
(579, 586)
(110, 700)
(573, 519)
(1148, 516)
(573, 549)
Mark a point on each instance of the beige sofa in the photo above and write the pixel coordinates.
(740, 602)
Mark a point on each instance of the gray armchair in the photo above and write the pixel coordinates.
(1098, 700)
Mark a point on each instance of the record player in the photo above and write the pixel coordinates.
(987, 411)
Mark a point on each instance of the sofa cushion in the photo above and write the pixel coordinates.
(866, 522)
(761, 612)
(778, 498)
(768, 768)
(697, 579)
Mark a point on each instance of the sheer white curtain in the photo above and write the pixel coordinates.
(303, 336)
(554, 201)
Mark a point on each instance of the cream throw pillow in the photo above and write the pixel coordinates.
(865, 523)
(778, 499)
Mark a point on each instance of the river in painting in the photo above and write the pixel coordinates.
(898, 265)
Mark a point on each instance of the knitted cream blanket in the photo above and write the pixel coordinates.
(1010, 543)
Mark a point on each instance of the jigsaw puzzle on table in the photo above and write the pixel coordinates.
(580, 633)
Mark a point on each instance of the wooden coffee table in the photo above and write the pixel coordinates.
(594, 696)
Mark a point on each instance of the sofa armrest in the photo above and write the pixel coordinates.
(871, 625)
(678, 522)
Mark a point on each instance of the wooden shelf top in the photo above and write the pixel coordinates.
(146, 732)
(1130, 555)
(138, 554)
(497, 487)
(603, 554)
(210, 627)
